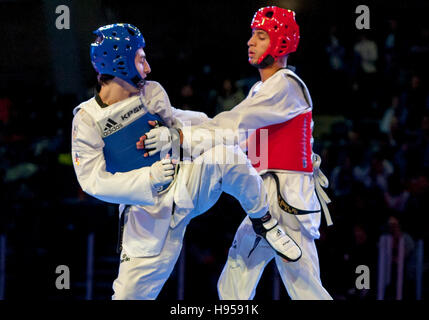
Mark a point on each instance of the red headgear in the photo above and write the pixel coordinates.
(282, 29)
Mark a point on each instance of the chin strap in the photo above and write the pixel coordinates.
(138, 82)
(268, 60)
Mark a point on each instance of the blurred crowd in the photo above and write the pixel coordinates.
(377, 157)
(371, 113)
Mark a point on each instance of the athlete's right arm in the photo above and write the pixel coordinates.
(133, 187)
(190, 117)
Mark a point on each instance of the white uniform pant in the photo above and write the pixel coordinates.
(144, 277)
(246, 264)
(249, 255)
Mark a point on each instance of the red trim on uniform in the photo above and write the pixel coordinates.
(289, 146)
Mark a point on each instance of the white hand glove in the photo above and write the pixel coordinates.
(161, 173)
(162, 139)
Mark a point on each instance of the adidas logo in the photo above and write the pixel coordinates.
(110, 123)
(110, 127)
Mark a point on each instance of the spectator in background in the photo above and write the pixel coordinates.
(360, 251)
(395, 197)
(419, 51)
(418, 152)
(335, 50)
(5, 109)
(229, 96)
(187, 100)
(393, 49)
(392, 43)
(336, 71)
(395, 229)
(5, 129)
(417, 204)
(393, 117)
(374, 175)
(366, 53)
(206, 89)
(342, 177)
(414, 99)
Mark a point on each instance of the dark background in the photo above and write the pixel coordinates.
(371, 129)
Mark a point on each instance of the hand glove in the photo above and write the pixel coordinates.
(161, 173)
(162, 139)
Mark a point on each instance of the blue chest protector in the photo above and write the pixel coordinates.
(120, 152)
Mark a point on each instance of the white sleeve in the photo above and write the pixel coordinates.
(278, 102)
(189, 117)
(131, 187)
(157, 102)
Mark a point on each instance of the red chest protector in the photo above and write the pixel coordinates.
(283, 146)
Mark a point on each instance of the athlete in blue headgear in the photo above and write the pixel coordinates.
(157, 200)
(118, 51)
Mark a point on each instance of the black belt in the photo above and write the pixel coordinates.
(121, 229)
(286, 206)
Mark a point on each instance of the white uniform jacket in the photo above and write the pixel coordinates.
(280, 98)
(148, 218)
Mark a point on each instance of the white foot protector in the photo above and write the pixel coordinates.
(278, 239)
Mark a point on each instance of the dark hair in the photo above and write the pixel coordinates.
(103, 79)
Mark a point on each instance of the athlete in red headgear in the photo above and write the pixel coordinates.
(283, 31)
(291, 172)
(279, 108)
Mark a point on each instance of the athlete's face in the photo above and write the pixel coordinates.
(141, 63)
(258, 44)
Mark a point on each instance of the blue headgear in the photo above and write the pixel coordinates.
(115, 51)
